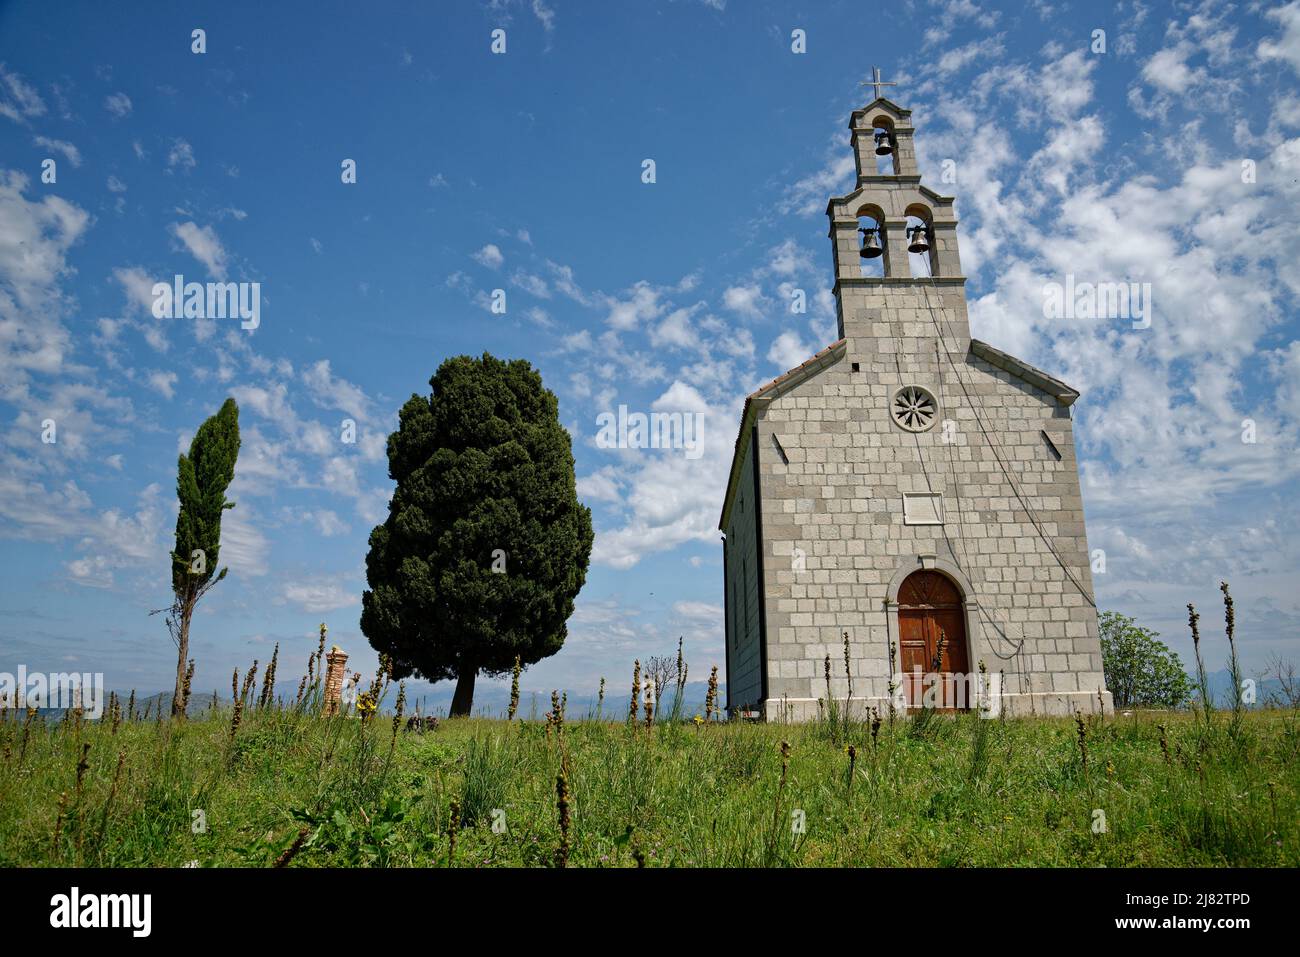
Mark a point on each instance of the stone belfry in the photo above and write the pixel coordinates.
(887, 317)
(909, 496)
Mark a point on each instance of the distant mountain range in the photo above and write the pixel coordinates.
(490, 700)
(1220, 683)
(493, 700)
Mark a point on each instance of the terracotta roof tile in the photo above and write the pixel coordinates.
(797, 369)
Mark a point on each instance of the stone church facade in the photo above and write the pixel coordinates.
(908, 486)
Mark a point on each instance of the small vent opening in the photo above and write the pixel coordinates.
(776, 444)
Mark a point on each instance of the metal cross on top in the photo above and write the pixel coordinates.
(876, 81)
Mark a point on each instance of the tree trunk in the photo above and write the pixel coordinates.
(463, 698)
(183, 643)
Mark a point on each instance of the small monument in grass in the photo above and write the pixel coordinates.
(334, 665)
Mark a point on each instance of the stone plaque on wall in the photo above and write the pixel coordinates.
(922, 508)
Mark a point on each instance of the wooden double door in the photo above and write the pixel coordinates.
(931, 608)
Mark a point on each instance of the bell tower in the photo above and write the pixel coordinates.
(908, 493)
(899, 290)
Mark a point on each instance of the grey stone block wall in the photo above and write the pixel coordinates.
(840, 497)
(744, 674)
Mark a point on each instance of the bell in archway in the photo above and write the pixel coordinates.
(918, 242)
(870, 244)
(883, 146)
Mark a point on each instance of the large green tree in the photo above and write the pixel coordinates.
(486, 544)
(1140, 669)
(202, 478)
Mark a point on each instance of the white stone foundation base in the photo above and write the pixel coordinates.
(1057, 703)
(1012, 705)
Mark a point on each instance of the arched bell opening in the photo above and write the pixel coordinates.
(885, 145)
(922, 253)
(872, 253)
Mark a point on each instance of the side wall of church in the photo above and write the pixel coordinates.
(744, 652)
(835, 537)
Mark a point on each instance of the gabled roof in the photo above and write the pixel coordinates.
(832, 354)
(911, 180)
(765, 393)
(1023, 370)
(880, 101)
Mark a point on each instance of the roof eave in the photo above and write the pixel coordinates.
(759, 398)
(1023, 370)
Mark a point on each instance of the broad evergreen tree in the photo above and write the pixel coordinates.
(486, 545)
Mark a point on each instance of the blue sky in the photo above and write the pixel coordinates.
(523, 172)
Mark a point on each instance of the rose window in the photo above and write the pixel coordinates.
(914, 408)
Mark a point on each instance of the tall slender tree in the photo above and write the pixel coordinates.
(486, 544)
(202, 478)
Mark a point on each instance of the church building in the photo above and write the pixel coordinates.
(909, 487)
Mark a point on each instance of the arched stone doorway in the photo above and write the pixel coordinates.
(931, 606)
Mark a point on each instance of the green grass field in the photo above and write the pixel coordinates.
(946, 791)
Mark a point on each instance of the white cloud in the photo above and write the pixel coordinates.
(328, 523)
(533, 285)
(789, 350)
(60, 146)
(579, 341)
(1168, 70)
(539, 316)
(602, 486)
(640, 305)
(204, 245)
(18, 100)
(698, 610)
(180, 155)
(269, 402)
(676, 330)
(955, 60)
(566, 284)
(332, 392)
(545, 15)
(119, 104)
(489, 256)
(788, 259)
(137, 285)
(35, 237)
(669, 499)
(809, 195)
(244, 548)
(163, 383)
(745, 300)
(738, 342)
(320, 596)
(107, 540)
(93, 571)
(1287, 46)
(1170, 76)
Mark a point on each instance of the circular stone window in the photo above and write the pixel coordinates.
(914, 408)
